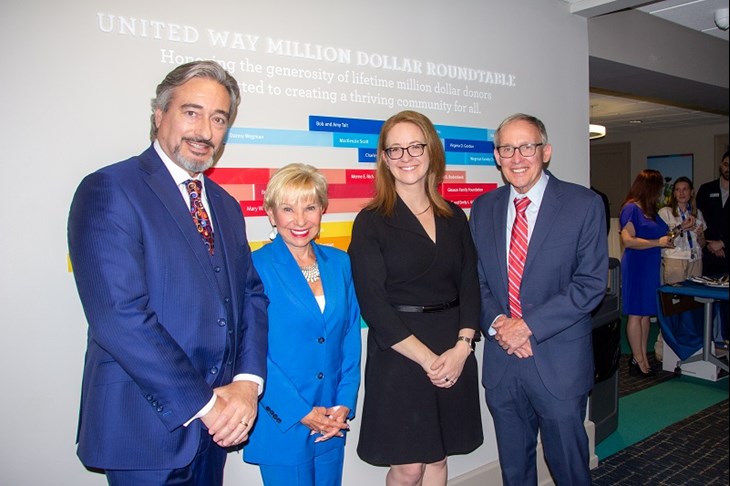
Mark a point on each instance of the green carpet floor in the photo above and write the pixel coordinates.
(648, 411)
(643, 413)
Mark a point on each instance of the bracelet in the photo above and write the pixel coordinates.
(467, 340)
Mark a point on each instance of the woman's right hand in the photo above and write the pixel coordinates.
(319, 422)
(666, 242)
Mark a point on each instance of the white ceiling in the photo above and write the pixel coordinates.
(616, 113)
(695, 14)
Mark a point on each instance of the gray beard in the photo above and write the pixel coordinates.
(192, 166)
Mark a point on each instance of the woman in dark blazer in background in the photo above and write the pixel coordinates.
(414, 265)
(314, 340)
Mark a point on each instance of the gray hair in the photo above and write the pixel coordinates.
(522, 117)
(184, 73)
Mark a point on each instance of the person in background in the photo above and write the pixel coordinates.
(543, 268)
(176, 350)
(606, 208)
(314, 339)
(643, 234)
(414, 265)
(684, 258)
(712, 201)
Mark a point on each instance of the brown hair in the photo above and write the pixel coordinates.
(645, 191)
(385, 194)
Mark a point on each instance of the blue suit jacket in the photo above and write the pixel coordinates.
(156, 316)
(314, 357)
(564, 279)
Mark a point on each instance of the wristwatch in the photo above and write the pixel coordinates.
(471, 342)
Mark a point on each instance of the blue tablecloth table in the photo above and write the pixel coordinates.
(691, 330)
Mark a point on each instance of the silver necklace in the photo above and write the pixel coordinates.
(311, 272)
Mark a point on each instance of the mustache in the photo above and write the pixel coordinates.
(205, 141)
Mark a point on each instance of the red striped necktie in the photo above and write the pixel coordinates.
(198, 212)
(517, 255)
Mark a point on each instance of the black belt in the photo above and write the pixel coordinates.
(427, 308)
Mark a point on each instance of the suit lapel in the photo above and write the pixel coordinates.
(289, 273)
(549, 208)
(499, 217)
(332, 296)
(403, 219)
(158, 178)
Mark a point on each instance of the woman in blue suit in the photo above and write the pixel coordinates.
(314, 339)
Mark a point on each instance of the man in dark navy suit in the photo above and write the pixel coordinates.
(712, 201)
(177, 317)
(538, 356)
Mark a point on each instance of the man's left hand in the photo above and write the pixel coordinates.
(512, 334)
(238, 415)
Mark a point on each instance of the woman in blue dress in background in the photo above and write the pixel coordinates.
(643, 234)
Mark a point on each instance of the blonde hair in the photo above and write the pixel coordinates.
(296, 182)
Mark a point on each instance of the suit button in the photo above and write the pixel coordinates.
(217, 269)
(213, 370)
(227, 300)
(149, 398)
(160, 409)
(320, 340)
(221, 322)
(154, 403)
(320, 375)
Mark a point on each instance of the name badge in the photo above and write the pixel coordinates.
(715, 194)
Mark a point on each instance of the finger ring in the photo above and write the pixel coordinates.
(245, 424)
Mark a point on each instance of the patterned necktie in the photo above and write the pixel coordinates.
(517, 255)
(198, 212)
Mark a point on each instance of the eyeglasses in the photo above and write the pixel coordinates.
(526, 150)
(415, 150)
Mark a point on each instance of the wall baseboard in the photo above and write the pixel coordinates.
(492, 474)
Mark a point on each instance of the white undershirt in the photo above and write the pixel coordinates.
(320, 301)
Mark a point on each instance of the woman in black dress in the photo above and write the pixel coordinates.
(414, 267)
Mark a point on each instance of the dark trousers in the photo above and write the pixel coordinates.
(205, 470)
(521, 406)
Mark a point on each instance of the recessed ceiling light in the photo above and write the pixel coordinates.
(634, 122)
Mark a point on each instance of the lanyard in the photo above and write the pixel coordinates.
(689, 233)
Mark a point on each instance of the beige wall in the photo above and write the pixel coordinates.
(699, 141)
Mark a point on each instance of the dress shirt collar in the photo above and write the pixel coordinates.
(535, 193)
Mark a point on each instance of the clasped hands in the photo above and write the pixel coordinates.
(329, 422)
(446, 369)
(716, 247)
(513, 336)
(233, 414)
